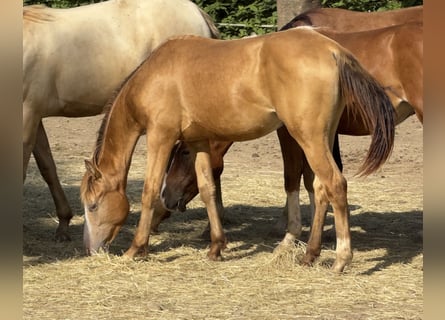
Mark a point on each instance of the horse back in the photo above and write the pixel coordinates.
(343, 20)
(81, 55)
(191, 75)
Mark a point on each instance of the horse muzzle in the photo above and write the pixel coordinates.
(94, 246)
(174, 205)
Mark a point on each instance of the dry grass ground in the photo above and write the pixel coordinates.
(176, 281)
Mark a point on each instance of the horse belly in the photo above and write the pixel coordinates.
(238, 127)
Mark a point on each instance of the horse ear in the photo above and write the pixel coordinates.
(92, 169)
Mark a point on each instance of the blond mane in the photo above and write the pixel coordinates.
(37, 13)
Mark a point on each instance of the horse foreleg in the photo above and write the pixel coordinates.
(47, 168)
(209, 195)
(158, 152)
(219, 204)
(30, 127)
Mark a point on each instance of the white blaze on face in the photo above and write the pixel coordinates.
(86, 215)
(164, 185)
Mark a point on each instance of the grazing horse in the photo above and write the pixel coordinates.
(342, 20)
(393, 55)
(74, 58)
(196, 89)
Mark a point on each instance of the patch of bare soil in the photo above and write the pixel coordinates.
(176, 281)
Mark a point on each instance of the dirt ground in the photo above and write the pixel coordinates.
(176, 281)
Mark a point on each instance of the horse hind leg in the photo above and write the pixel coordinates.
(329, 186)
(47, 168)
(293, 169)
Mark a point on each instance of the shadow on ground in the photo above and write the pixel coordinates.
(400, 233)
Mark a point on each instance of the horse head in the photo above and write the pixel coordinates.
(180, 183)
(106, 208)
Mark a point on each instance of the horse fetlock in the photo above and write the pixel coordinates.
(311, 255)
(214, 254)
(216, 247)
(339, 265)
(287, 242)
(344, 257)
(308, 260)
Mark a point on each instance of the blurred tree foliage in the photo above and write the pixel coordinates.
(251, 16)
(370, 5)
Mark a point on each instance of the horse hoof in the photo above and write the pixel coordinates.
(308, 260)
(132, 253)
(214, 256)
(338, 267)
(62, 237)
(282, 247)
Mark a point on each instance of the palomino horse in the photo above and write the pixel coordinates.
(342, 20)
(74, 58)
(392, 55)
(345, 26)
(195, 89)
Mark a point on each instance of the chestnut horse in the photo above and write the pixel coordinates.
(196, 89)
(74, 58)
(342, 20)
(393, 55)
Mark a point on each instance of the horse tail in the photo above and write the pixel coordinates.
(214, 32)
(365, 98)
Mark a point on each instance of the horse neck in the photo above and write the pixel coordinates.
(120, 135)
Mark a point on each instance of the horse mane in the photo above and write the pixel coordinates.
(303, 19)
(37, 13)
(107, 112)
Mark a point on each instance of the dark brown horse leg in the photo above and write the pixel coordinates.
(336, 153)
(295, 165)
(293, 169)
(208, 193)
(308, 178)
(47, 168)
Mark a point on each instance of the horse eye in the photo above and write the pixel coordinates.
(186, 152)
(92, 207)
